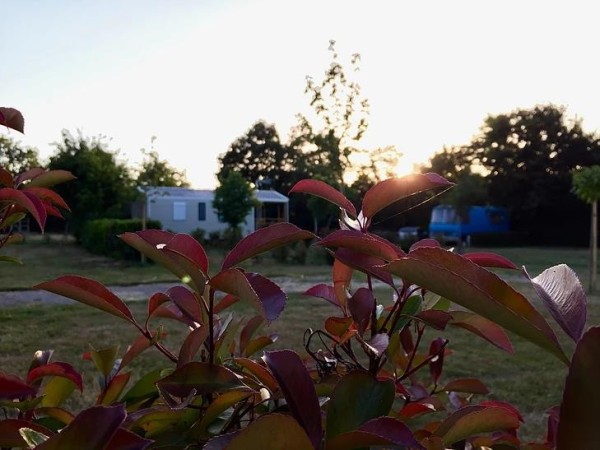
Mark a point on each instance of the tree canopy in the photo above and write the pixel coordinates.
(234, 199)
(157, 172)
(526, 157)
(16, 157)
(103, 188)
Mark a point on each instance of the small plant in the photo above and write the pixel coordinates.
(370, 376)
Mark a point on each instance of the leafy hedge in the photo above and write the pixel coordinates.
(100, 237)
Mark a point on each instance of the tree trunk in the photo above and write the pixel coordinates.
(594, 247)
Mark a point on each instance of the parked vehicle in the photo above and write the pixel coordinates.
(448, 225)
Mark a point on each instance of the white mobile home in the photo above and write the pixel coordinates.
(182, 210)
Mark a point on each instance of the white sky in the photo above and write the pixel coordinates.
(197, 74)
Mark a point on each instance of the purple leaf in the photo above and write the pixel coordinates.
(564, 297)
(325, 191)
(192, 344)
(264, 239)
(249, 329)
(364, 263)
(12, 118)
(389, 191)
(11, 437)
(361, 306)
(299, 391)
(382, 431)
(28, 202)
(187, 302)
(466, 385)
(424, 243)
(189, 247)
(91, 429)
(580, 406)
(436, 364)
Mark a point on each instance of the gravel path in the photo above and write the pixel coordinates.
(136, 292)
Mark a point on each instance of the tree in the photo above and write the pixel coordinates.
(234, 199)
(103, 188)
(527, 157)
(258, 155)
(342, 112)
(15, 157)
(586, 185)
(157, 172)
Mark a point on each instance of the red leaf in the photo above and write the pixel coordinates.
(189, 247)
(483, 292)
(114, 389)
(564, 297)
(139, 345)
(325, 191)
(483, 327)
(364, 263)
(473, 420)
(191, 345)
(390, 191)
(248, 331)
(435, 318)
(580, 406)
(225, 303)
(415, 409)
(187, 302)
(259, 372)
(337, 326)
(155, 301)
(127, 440)
(299, 391)
(361, 306)
(362, 243)
(12, 387)
(264, 239)
(89, 292)
(424, 243)
(260, 292)
(437, 363)
(500, 404)
(6, 178)
(56, 369)
(342, 276)
(29, 203)
(90, 429)
(325, 292)
(488, 259)
(28, 175)
(12, 118)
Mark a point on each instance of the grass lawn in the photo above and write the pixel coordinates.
(531, 379)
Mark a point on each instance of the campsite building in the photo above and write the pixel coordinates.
(183, 210)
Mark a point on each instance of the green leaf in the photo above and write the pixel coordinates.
(89, 292)
(51, 178)
(357, 398)
(269, 432)
(221, 403)
(483, 292)
(203, 377)
(411, 308)
(104, 359)
(144, 388)
(56, 391)
(580, 406)
(32, 437)
(11, 259)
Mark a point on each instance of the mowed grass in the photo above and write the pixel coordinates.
(531, 379)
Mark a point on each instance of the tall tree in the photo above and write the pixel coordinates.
(16, 157)
(259, 156)
(586, 185)
(527, 157)
(234, 199)
(340, 118)
(157, 172)
(103, 188)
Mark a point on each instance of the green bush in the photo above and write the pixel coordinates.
(100, 237)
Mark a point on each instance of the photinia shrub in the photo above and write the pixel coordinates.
(369, 379)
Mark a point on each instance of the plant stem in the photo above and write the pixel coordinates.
(211, 331)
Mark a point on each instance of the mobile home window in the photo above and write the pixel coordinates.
(178, 210)
(201, 211)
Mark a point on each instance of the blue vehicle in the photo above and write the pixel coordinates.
(447, 225)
